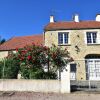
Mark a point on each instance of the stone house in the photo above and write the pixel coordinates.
(82, 39)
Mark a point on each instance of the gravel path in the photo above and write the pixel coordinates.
(47, 96)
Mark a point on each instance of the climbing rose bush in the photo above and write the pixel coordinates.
(35, 58)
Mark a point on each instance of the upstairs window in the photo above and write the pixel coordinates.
(62, 38)
(91, 37)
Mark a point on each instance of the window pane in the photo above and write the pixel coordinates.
(60, 38)
(94, 35)
(72, 67)
(66, 37)
(89, 40)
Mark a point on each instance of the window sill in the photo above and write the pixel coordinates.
(64, 44)
(93, 43)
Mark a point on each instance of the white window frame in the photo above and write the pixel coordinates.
(92, 69)
(63, 38)
(97, 39)
(91, 37)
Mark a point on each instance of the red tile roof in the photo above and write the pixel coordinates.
(72, 25)
(20, 42)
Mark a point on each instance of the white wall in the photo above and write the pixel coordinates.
(58, 86)
(30, 85)
(3, 54)
(65, 80)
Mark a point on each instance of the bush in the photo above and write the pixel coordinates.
(29, 74)
(43, 75)
(10, 69)
(31, 60)
(35, 58)
(25, 72)
(47, 75)
(1, 67)
(36, 73)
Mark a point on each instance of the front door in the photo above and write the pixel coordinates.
(93, 69)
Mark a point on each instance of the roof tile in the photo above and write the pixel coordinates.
(72, 25)
(20, 42)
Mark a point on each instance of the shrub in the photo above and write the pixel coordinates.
(35, 73)
(47, 75)
(1, 67)
(10, 69)
(34, 58)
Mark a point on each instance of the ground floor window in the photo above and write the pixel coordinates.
(72, 71)
(93, 67)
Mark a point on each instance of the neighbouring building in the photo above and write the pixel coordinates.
(19, 42)
(82, 38)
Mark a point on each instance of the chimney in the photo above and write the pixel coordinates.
(98, 17)
(51, 19)
(76, 18)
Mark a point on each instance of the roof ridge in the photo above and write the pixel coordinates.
(17, 42)
(75, 22)
(89, 24)
(7, 41)
(28, 35)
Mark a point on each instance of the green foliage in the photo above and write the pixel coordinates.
(28, 73)
(1, 67)
(2, 41)
(33, 58)
(58, 56)
(47, 75)
(25, 73)
(9, 68)
(30, 62)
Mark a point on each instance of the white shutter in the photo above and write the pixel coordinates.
(68, 37)
(98, 38)
(85, 38)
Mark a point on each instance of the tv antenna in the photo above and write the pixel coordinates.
(53, 12)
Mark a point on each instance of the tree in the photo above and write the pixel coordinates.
(2, 41)
(57, 58)
(33, 59)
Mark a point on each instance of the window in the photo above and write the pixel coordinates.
(73, 71)
(93, 69)
(93, 66)
(62, 38)
(91, 37)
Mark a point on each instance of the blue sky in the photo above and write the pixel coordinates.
(28, 17)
